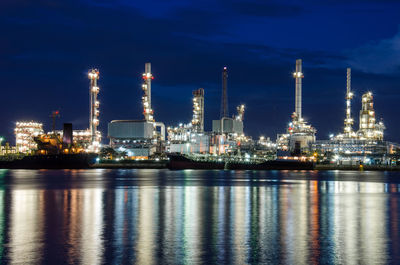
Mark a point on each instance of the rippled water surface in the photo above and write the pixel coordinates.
(189, 217)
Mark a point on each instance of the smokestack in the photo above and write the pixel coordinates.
(348, 80)
(224, 100)
(147, 69)
(298, 75)
(348, 122)
(67, 135)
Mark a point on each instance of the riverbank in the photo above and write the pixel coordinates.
(357, 167)
(149, 164)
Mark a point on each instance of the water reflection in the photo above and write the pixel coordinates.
(189, 217)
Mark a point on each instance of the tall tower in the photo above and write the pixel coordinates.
(94, 75)
(300, 134)
(298, 75)
(198, 110)
(146, 99)
(224, 99)
(348, 122)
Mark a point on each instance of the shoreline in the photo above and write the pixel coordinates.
(318, 167)
(357, 167)
(164, 164)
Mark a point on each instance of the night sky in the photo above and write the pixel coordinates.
(47, 48)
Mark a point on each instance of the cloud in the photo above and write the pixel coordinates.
(379, 57)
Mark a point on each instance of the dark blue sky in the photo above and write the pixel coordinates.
(47, 47)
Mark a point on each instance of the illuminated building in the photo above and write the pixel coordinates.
(140, 139)
(369, 130)
(24, 134)
(95, 140)
(227, 132)
(299, 134)
(134, 137)
(363, 146)
(190, 137)
(198, 110)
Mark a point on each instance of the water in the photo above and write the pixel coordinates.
(189, 217)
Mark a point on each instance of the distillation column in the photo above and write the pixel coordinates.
(146, 99)
(198, 110)
(298, 75)
(94, 75)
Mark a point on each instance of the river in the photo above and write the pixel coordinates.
(101, 216)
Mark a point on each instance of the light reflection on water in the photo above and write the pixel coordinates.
(188, 217)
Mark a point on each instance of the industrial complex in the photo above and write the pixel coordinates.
(148, 139)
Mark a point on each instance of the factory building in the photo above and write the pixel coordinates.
(134, 137)
(140, 139)
(226, 135)
(228, 126)
(299, 134)
(190, 138)
(228, 132)
(355, 151)
(193, 143)
(24, 135)
(358, 147)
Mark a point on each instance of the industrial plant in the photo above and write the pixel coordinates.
(139, 139)
(149, 139)
(364, 146)
(31, 138)
(299, 134)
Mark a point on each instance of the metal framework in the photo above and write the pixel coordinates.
(94, 75)
(224, 98)
(24, 134)
(146, 99)
(198, 110)
(368, 128)
(348, 122)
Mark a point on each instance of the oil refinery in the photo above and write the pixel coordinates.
(227, 142)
